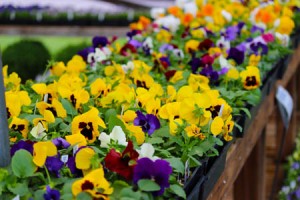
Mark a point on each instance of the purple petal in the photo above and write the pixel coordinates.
(26, 145)
(54, 164)
(135, 43)
(143, 169)
(100, 41)
(153, 122)
(165, 47)
(61, 143)
(85, 52)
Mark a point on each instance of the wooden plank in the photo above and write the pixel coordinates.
(242, 149)
(250, 184)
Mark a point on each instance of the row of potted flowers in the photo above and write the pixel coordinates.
(133, 118)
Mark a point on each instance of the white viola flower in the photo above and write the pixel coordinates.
(283, 38)
(38, 131)
(226, 15)
(178, 53)
(190, 7)
(181, 3)
(276, 23)
(148, 43)
(224, 63)
(128, 67)
(117, 135)
(106, 51)
(98, 56)
(169, 21)
(222, 43)
(147, 150)
(157, 12)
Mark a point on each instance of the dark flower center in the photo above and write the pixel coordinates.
(52, 110)
(49, 99)
(73, 100)
(87, 185)
(251, 81)
(87, 129)
(214, 110)
(8, 113)
(145, 125)
(141, 84)
(19, 127)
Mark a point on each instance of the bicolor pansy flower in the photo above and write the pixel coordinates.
(251, 78)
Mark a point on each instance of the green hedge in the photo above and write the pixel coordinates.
(26, 57)
(68, 52)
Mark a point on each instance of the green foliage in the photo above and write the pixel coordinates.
(26, 57)
(22, 164)
(68, 52)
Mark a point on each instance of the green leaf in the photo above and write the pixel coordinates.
(155, 140)
(238, 126)
(129, 194)
(110, 112)
(148, 185)
(176, 164)
(178, 191)
(162, 132)
(22, 164)
(39, 194)
(84, 195)
(246, 111)
(69, 107)
(118, 187)
(19, 189)
(115, 121)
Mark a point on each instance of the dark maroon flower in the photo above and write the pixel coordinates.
(159, 171)
(236, 55)
(61, 143)
(207, 60)
(26, 145)
(122, 163)
(85, 52)
(164, 61)
(169, 74)
(127, 49)
(51, 194)
(100, 41)
(205, 44)
(54, 164)
(148, 122)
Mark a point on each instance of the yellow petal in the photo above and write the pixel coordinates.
(217, 126)
(76, 139)
(83, 158)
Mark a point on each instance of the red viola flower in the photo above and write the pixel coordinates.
(169, 74)
(123, 164)
(207, 60)
(205, 44)
(127, 49)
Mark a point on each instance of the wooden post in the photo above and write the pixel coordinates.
(4, 140)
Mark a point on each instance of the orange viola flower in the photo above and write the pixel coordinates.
(187, 18)
(208, 10)
(174, 10)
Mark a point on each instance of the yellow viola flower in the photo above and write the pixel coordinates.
(139, 68)
(83, 158)
(41, 124)
(115, 72)
(233, 73)
(173, 125)
(250, 78)
(76, 65)
(128, 116)
(153, 106)
(55, 107)
(170, 111)
(254, 60)
(177, 77)
(41, 150)
(11, 82)
(76, 139)
(58, 69)
(164, 36)
(191, 46)
(214, 51)
(286, 25)
(93, 183)
(46, 91)
(194, 131)
(217, 126)
(184, 92)
(14, 101)
(198, 82)
(287, 12)
(156, 90)
(20, 125)
(136, 132)
(76, 97)
(227, 128)
(99, 88)
(87, 124)
(171, 93)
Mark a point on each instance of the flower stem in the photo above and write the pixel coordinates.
(48, 175)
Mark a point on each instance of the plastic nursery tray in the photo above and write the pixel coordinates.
(205, 183)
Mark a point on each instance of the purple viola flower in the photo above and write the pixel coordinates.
(165, 47)
(297, 193)
(242, 47)
(54, 164)
(135, 43)
(132, 33)
(240, 27)
(210, 73)
(224, 70)
(165, 61)
(295, 165)
(236, 55)
(259, 48)
(195, 63)
(51, 194)
(100, 41)
(72, 166)
(26, 145)
(257, 28)
(158, 171)
(231, 33)
(148, 122)
(61, 143)
(85, 52)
